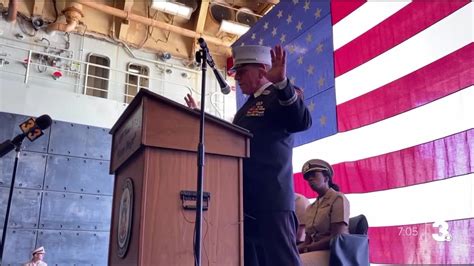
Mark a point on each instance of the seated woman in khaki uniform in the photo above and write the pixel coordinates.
(326, 217)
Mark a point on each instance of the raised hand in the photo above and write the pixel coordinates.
(278, 71)
(190, 101)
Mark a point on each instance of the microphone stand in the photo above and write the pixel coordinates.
(12, 185)
(201, 57)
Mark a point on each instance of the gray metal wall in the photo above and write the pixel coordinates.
(62, 197)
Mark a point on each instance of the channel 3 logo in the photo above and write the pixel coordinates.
(443, 232)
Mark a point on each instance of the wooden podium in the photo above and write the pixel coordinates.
(154, 160)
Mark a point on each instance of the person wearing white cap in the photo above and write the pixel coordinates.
(37, 260)
(273, 111)
(301, 203)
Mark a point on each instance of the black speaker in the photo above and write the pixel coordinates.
(37, 22)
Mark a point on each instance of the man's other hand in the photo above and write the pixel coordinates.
(190, 101)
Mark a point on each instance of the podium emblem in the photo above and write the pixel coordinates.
(125, 218)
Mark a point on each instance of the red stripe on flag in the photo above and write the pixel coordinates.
(440, 78)
(302, 187)
(440, 159)
(401, 26)
(415, 244)
(342, 8)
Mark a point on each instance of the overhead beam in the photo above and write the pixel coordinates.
(38, 8)
(273, 2)
(202, 17)
(152, 22)
(124, 24)
(203, 11)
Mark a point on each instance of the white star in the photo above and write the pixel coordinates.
(254, 36)
(274, 32)
(242, 44)
(292, 80)
(319, 49)
(310, 70)
(321, 81)
(260, 42)
(296, 2)
(309, 38)
(322, 120)
(306, 5)
(291, 49)
(299, 26)
(318, 13)
(265, 26)
(283, 38)
(288, 20)
(311, 106)
(300, 60)
(280, 14)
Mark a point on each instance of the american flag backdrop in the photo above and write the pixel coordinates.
(390, 88)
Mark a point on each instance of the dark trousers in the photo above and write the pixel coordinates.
(270, 239)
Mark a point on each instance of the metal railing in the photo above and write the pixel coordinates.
(75, 73)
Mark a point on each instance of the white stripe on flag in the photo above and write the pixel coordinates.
(437, 41)
(423, 203)
(363, 19)
(440, 118)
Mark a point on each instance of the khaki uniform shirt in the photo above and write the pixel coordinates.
(38, 263)
(333, 207)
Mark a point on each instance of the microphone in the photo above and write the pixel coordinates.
(43, 122)
(225, 88)
(31, 129)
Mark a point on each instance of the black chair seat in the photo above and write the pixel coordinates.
(358, 225)
(352, 248)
